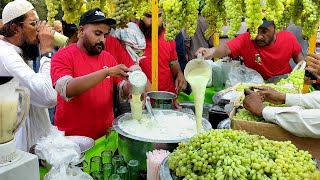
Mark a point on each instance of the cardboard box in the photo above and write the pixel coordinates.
(275, 132)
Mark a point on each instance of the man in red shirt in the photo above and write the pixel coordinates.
(168, 64)
(269, 54)
(84, 75)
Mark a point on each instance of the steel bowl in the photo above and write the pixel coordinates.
(133, 147)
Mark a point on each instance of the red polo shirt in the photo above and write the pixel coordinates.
(274, 59)
(166, 53)
(114, 47)
(90, 113)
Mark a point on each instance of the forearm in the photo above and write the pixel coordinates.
(79, 85)
(308, 101)
(221, 51)
(175, 69)
(298, 58)
(298, 121)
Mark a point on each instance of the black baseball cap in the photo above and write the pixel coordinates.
(95, 15)
(266, 23)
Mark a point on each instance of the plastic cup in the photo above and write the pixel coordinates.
(107, 170)
(106, 156)
(117, 161)
(114, 177)
(60, 40)
(97, 175)
(95, 163)
(123, 172)
(133, 168)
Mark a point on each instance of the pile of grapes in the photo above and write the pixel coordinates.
(243, 114)
(296, 77)
(229, 154)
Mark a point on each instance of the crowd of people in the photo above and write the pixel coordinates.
(80, 82)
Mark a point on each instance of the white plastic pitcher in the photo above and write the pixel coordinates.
(138, 81)
(9, 100)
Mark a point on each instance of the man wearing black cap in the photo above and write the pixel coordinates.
(269, 53)
(84, 75)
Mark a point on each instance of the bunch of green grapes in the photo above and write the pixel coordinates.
(52, 7)
(191, 7)
(123, 12)
(91, 4)
(287, 13)
(274, 12)
(310, 16)
(214, 13)
(72, 11)
(297, 12)
(142, 8)
(296, 77)
(243, 114)
(173, 17)
(254, 16)
(228, 154)
(234, 14)
(105, 8)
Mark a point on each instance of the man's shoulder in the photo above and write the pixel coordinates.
(285, 34)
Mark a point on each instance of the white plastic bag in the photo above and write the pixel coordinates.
(243, 74)
(62, 154)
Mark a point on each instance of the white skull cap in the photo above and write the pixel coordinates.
(15, 9)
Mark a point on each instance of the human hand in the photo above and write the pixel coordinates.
(313, 64)
(271, 95)
(180, 83)
(207, 53)
(45, 36)
(118, 71)
(253, 102)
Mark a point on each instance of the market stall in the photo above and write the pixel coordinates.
(198, 151)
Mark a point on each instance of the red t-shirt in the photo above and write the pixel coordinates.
(274, 59)
(91, 113)
(114, 47)
(166, 53)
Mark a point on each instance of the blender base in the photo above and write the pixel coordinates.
(26, 167)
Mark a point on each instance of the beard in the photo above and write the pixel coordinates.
(147, 30)
(92, 50)
(29, 51)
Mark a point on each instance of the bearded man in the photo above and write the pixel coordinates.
(269, 53)
(168, 65)
(84, 76)
(22, 34)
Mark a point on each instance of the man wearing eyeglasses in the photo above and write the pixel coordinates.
(23, 33)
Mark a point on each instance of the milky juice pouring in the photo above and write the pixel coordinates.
(198, 73)
(138, 81)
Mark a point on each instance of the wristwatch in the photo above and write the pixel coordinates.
(47, 54)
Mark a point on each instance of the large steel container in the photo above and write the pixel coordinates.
(133, 147)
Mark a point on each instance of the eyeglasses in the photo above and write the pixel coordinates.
(32, 23)
(150, 16)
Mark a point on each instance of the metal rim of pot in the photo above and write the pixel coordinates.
(161, 93)
(205, 123)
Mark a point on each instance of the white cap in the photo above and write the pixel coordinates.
(15, 9)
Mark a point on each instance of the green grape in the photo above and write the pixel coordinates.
(214, 13)
(123, 12)
(143, 7)
(52, 7)
(296, 77)
(297, 12)
(234, 14)
(191, 7)
(287, 13)
(229, 154)
(274, 12)
(310, 17)
(254, 16)
(174, 13)
(72, 11)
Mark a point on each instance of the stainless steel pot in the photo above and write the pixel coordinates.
(190, 105)
(162, 99)
(133, 147)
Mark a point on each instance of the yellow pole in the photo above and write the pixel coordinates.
(313, 41)
(155, 45)
(311, 49)
(216, 42)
